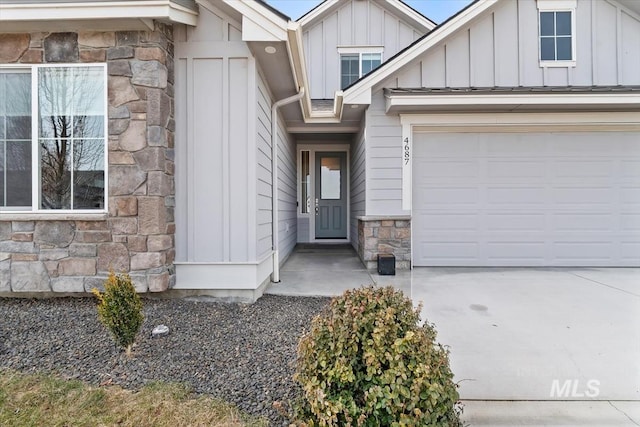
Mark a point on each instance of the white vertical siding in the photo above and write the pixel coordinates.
(358, 181)
(357, 23)
(500, 48)
(215, 81)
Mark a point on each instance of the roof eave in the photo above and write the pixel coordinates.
(156, 9)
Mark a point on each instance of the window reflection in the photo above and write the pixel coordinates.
(72, 137)
(15, 139)
(330, 171)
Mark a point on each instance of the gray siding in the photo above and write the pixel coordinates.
(215, 88)
(287, 191)
(384, 164)
(263, 173)
(357, 23)
(358, 181)
(500, 48)
(287, 178)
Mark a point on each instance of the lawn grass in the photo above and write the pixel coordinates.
(39, 400)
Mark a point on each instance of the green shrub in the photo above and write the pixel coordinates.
(120, 309)
(367, 362)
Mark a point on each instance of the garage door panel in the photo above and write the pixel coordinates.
(630, 222)
(514, 169)
(584, 222)
(630, 169)
(583, 169)
(448, 169)
(630, 252)
(515, 222)
(581, 195)
(449, 221)
(516, 195)
(449, 195)
(560, 199)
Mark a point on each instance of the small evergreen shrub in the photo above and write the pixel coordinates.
(367, 362)
(120, 309)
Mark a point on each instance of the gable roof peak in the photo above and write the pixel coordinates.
(399, 7)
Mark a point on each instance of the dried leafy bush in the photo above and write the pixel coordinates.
(120, 309)
(367, 362)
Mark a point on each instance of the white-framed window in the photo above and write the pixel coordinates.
(53, 138)
(356, 62)
(556, 33)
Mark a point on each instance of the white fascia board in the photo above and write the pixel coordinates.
(263, 24)
(159, 9)
(355, 94)
(458, 121)
(318, 11)
(520, 99)
(404, 9)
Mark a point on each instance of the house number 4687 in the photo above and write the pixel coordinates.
(407, 151)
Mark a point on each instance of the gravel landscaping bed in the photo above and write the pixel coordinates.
(244, 354)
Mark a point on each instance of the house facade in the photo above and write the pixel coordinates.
(194, 143)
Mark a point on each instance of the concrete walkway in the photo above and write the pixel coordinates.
(529, 346)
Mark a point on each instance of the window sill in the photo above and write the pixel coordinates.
(42, 216)
(557, 64)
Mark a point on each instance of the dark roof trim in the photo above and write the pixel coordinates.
(273, 9)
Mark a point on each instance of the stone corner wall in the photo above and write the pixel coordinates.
(384, 236)
(137, 235)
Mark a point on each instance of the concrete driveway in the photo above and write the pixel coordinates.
(524, 334)
(529, 346)
(539, 346)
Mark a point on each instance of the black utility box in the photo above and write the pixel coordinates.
(386, 264)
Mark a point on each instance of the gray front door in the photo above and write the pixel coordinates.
(331, 195)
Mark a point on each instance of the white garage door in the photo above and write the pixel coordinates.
(522, 199)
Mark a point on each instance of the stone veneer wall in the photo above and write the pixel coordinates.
(384, 235)
(137, 234)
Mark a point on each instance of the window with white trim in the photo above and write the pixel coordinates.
(354, 65)
(556, 36)
(53, 130)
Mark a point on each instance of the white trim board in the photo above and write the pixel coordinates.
(313, 148)
(156, 9)
(512, 100)
(223, 275)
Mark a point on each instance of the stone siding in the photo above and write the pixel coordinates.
(137, 233)
(380, 235)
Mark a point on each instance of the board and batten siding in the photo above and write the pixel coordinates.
(357, 23)
(287, 177)
(500, 48)
(215, 144)
(358, 181)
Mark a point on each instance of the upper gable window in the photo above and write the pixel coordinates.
(557, 42)
(53, 133)
(355, 63)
